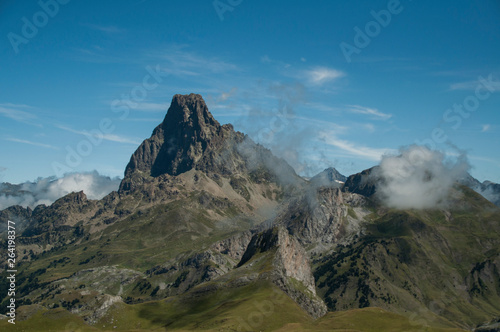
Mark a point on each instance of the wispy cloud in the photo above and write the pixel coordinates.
(106, 137)
(322, 107)
(374, 59)
(96, 54)
(279, 64)
(369, 111)
(152, 107)
(47, 146)
(15, 105)
(353, 148)
(472, 85)
(182, 62)
(11, 112)
(322, 124)
(322, 75)
(111, 29)
(226, 95)
(155, 120)
(486, 127)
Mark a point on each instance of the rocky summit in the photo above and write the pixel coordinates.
(189, 137)
(211, 231)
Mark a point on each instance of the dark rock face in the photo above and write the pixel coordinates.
(234, 246)
(177, 145)
(363, 183)
(261, 242)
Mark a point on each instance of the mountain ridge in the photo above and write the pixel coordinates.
(197, 234)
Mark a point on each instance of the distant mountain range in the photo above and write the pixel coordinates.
(210, 231)
(48, 190)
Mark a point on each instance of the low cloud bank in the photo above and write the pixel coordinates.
(418, 178)
(48, 190)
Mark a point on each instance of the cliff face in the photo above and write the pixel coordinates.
(324, 216)
(235, 246)
(291, 267)
(363, 183)
(294, 276)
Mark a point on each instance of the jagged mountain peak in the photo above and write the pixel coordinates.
(181, 140)
(330, 177)
(190, 138)
(190, 111)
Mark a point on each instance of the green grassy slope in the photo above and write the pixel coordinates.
(440, 265)
(242, 300)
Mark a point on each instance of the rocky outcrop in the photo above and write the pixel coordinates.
(17, 214)
(291, 267)
(183, 273)
(178, 144)
(363, 183)
(484, 277)
(235, 246)
(324, 216)
(62, 215)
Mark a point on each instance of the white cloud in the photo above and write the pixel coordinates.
(322, 75)
(417, 178)
(472, 85)
(354, 149)
(47, 146)
(107, 137)
(265, 59)
(111, 29)
(120, 139)
(182, 63)
(226, 95)
(369, 111)
(48, 190)
(16, 114)
(277, 63)
(322, 107)
(369, 127)
(486, 128)
(322, 124)
(15, 105)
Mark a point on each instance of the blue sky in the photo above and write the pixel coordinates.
(297, 76)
